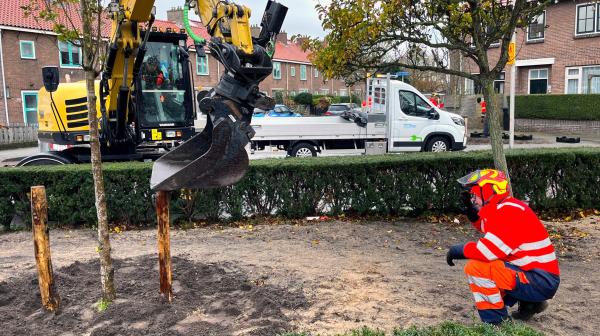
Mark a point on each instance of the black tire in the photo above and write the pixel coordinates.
(303, 150)
(44, 160)
(438, 144)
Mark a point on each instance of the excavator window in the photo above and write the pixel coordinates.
(163, 85)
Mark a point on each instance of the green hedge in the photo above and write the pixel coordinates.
(558, 107)
(409, 185)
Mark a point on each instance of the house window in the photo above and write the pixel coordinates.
(27, 49)
(316, 73)
(293, 71)
(276, 70)
(586, 19)
(304, 91)
(499, 84)
(538, 81)
(585, 80)
(325, 92)
(572, 79)
(70, 55)
(303, 72)
(344, 92)
(30, 107)
(535, 31)
(202, 65)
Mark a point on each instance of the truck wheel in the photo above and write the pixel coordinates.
(44, 160)
(303, 150)
(438, 144)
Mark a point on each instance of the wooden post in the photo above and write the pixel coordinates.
(164, 244)
(41, 243)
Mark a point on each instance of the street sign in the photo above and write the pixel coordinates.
(512, 53)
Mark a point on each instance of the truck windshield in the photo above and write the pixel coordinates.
(163, 86)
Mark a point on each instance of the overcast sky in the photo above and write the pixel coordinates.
(301, 17)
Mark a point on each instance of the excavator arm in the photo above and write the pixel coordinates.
(217, 156)
(124, 59)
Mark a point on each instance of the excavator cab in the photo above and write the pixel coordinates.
(217, 156)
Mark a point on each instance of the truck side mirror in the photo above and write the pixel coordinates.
(433, 114)
(51, 78)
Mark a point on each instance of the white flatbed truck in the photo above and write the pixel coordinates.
(399, 119)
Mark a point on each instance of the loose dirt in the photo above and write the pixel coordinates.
(325, 277)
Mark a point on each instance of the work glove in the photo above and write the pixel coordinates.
(455, 253)
(467, 207)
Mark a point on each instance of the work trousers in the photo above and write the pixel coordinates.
(498, 284)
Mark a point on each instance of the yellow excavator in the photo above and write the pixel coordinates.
(146, 96)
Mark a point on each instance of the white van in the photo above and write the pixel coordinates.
(398, 118)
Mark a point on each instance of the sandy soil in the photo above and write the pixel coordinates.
(325, 277)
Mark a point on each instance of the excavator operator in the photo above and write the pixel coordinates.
(152, 75)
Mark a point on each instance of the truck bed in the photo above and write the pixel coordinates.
(317, 128)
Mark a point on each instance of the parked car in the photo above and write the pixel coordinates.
(279, 111)
(338, 109)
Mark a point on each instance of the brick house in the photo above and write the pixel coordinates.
(558, 53)
(27, 45)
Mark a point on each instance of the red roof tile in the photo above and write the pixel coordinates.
(290, 52)
(13, 15)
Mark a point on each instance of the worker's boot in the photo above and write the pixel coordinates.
(526, 310)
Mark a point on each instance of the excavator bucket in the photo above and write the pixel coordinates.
(214, 158)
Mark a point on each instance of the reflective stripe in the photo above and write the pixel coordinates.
(529, 259)
(494, 298)
(485, 251)
(535, 245)
(498, 242)
(481, 282)
(510, 204)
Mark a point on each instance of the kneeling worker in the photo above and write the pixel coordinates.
(514, 261)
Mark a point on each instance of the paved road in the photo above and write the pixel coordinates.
(11, 157)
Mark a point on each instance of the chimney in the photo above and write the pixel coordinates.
(255, 30)
(282, 37)
(175, 15)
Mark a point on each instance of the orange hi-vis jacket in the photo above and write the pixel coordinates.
(513, 233)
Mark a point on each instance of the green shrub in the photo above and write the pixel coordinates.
(407, 185)
(558, 107)
(278, 97)
(303, 98)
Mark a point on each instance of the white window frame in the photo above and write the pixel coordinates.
(21, 42)
(303, 90)
(578, 77)
(293, 71)
(276, 67)
(597, 12)
(70, 66)
(198, 72)
(23, 94)
(316, 72)
(529, 79)
(303, 74)
(540, 38)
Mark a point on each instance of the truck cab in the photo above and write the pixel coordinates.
(413, 122)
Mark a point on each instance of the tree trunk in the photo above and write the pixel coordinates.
(106, 267)
(494, 114)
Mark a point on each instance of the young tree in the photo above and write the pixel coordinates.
(80, 22)
(369, 36)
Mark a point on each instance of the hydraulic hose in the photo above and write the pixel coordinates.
(186, 22)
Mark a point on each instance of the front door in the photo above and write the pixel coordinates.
(409, 122)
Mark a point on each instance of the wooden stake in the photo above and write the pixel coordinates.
(164, 244)
(41, 241)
